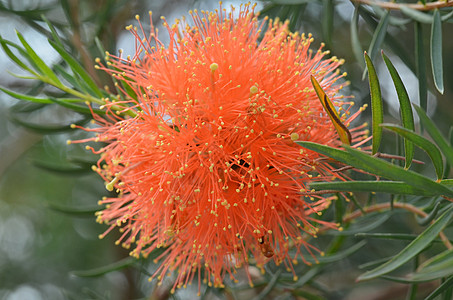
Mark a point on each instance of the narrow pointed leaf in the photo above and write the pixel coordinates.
(444, 287)
(327, 21)
(38, 61)
(411, 250)
(407, 117)
(427, 146)
(26, 97)
(12, 56)
(47, 129)
(338, 255)
(126, 262)
(436, 52)
(431, 216)
(378, 36)
(75, 107)
(436, 267)
(421, 66)
(435, 134)
(363, 161)
(377, 108)
(342, 130)
(355, 40)
(74, 211)
(392, 187)
(416, 15)
(77, 68)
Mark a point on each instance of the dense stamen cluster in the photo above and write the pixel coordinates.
(208, 168)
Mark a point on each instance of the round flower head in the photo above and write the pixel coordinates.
(200, 145)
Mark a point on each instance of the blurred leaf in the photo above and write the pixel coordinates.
(74, 211)
(69, 170)
(38, 61)
(47, 129)
(306, 295)
(421, 67)
(378, 36)
(435, 134)
(423, 143)
(5, 45)
(355, 40)
(77, 69)
(407, 118)
(377, 108)
(392, 236)
(414, 248)
(328, 9)
(436, 267)
(431, 216)
(444, 287)
(338, 255)
(272, 282)
(26, 97)
(368, 224)
(416, 14)
(363, 161)
(69, 103)
(436, 52)
(343, 132)
(121, 264)
(392, 187)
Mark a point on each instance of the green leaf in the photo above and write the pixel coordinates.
(435, 134)
(431, 216)
(436, 52)
(444, 287)
(272, 282)
(327, 21)
(416, 15)
(77, 69)
(411, 250)
(38, 61)
(26, 97)
(421, 67)
(355, 40)
(436, 267)
(363, 161)
(423, 143)
(377, 108)
(47, 129)
(74, 211)
(68, 103)
(378, 36)
(338, 255)
(405, 109)
(342, 130)
(391, 236)
(60, 169)
(121, 264)
(12, 56)
(392, 187)
(371, 223)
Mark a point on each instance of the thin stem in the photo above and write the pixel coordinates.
(397, 6)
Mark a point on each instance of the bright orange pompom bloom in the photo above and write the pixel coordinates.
(207, 167)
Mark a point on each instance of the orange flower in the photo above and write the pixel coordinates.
(207, 168)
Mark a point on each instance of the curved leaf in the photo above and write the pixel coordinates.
(431, 216)
(423, 143)
(435, 134)
(445, 286)
(25, 97)
(414, 248)
(420, 67)
(75, 211)
(378, 36)
(363, 161)
(342, 130)
(377, 108)
(407, 117)
(121, 264)
(436, 267)
(436, 52)
(355, 40)
(38, 61)
(392, 187)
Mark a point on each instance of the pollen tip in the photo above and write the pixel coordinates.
(68, 142)
(214, 66)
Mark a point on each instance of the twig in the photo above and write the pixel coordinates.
(397, 6)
